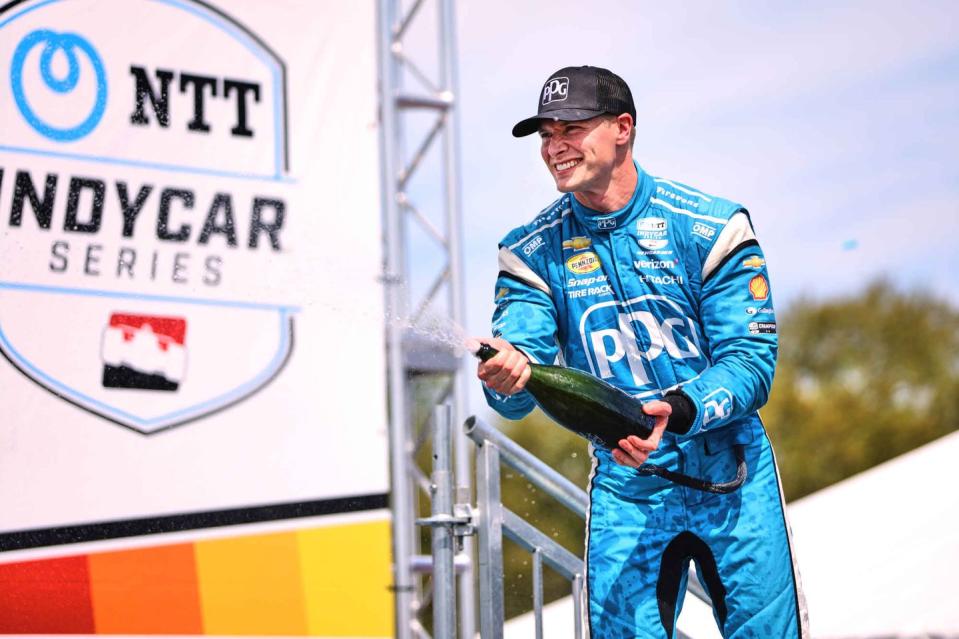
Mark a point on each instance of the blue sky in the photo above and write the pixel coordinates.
(837, 125)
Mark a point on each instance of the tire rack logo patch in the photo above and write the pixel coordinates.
(144, 351)
(108, 235)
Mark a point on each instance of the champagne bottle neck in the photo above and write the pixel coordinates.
(486, 352)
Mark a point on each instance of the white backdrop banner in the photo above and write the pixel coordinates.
(190, 316)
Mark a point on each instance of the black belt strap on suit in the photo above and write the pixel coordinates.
(722, 488)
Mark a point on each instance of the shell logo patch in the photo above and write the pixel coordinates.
(759, 288)
(583, 263)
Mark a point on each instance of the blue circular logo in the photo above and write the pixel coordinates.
(67, 44)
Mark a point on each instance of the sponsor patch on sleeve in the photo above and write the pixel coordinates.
(704, 231)
(757, 328)
(759, 288)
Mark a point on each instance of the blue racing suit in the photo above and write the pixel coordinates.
(670, 294)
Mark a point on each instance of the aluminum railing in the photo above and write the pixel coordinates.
(494, 520)
(491, 521)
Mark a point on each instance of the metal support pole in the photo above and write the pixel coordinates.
(538, 591)
(490, 531)
(444, 578)
(578, 607)
(448, 65)
(400, 497)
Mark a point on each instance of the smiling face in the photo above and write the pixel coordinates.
(585, 156)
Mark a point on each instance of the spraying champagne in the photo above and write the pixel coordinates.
(604, 414)
(584, 404)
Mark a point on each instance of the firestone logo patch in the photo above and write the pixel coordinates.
(143, 208)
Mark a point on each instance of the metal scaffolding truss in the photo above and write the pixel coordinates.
(420, 184)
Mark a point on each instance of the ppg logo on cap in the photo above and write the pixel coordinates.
(555, 90)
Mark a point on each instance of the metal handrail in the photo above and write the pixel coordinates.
(528, 465)
(452, 523)
(494, 520)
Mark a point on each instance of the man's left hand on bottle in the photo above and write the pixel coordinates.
(634, 451)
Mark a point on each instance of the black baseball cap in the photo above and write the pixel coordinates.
(579, 93)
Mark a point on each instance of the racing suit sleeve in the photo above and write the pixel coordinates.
(737, 316)
(525, 316)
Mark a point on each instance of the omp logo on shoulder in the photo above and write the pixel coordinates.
(143, 189)
(704, 230)
(532, 245)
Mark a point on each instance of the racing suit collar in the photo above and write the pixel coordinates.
(600, 222)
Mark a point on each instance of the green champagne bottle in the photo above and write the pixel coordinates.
(584, 404)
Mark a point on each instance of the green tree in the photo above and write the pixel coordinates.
(860, 380)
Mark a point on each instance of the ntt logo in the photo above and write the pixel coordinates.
(64, 46)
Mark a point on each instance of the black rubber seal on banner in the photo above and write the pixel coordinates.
(58, 536)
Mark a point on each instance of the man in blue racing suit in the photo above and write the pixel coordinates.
(661, 290)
